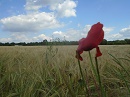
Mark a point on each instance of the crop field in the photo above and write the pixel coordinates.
(53, 71)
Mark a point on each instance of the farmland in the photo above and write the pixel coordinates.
(52, 71)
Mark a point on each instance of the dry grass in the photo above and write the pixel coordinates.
(41, 71)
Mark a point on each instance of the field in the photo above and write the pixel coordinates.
(53, 71)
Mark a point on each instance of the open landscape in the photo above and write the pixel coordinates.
(64, 48)
(53, 71)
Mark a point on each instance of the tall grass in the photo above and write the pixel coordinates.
(52, 71)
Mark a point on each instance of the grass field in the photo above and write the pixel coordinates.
(52, 71)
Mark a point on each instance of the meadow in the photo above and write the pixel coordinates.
(53, 71)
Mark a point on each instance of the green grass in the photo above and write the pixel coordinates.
(53, 71)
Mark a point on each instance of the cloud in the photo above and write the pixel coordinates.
(61, 8)
(107, 30)
(16, 37)
(125, 32)
(87, 28)
(19, 26)
(25, 38)
(19, 37)
(35, 5)
(108, 33)
(75, 35)
(121, 35)
(30, 23)
(4, 40)
(69, 35)
(41, 37)
(72, 34)
(66, 9)
(59, 35)
(116, 36)
(111, 35)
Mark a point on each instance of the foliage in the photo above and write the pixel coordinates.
(57, 41)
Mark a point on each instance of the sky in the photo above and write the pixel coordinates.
(37, 20)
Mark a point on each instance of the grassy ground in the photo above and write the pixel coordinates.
(48, 71)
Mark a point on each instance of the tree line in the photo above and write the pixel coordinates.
(45, 42)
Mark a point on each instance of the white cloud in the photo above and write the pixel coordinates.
(16, 37)
(75, 35)
(108, 33)
(66, 9)
(59, 34)
(107, 30)
(62, 8)
(37, 4)
(20, 37)
(122, 34)
(41, 37)
(125, 32)
(4, 40)
(70, 35)
(30, 22)
(116, 36)
(87, 28)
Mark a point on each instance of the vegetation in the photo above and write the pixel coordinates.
(53, 71)
(58, 42)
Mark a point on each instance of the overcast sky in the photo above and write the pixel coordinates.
(36, 20)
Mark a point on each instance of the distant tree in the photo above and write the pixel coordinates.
(21, 43)
(73, 42)
(12, 44)
(1, 44)
(122, 42)
(119, 42)
(7, 44)
(127, 41)
(104, 42)
(110, 43)
(45, 42)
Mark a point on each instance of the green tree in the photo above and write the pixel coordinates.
(104, 42)
(45, 42)
(127, 41)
